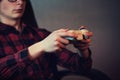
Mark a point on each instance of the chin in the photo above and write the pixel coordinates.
(17, 16)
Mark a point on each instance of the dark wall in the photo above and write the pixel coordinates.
(100, 16)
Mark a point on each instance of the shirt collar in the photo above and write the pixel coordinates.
(7, 27)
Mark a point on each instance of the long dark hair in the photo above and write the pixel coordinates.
(28, 16)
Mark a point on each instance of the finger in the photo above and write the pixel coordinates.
(59, 45)
(89, 34)
(81, 46)
(85, 41)
(64, 34)
(63, 30)
(63, 40)
(58, 49)
(82, 27)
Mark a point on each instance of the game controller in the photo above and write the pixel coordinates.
(81, 35)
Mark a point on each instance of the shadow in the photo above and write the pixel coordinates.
(94, 74)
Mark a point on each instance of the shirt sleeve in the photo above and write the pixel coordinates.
(14, 63)
(74, 62)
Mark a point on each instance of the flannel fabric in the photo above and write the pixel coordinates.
(15, 63)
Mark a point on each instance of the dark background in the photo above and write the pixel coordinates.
(100, 16)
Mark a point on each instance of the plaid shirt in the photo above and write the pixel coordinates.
(15, 63)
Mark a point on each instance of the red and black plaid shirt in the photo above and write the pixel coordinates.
(15, 63)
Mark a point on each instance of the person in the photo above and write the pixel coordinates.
(30, 52)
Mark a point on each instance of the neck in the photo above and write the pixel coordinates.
(15, 23)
